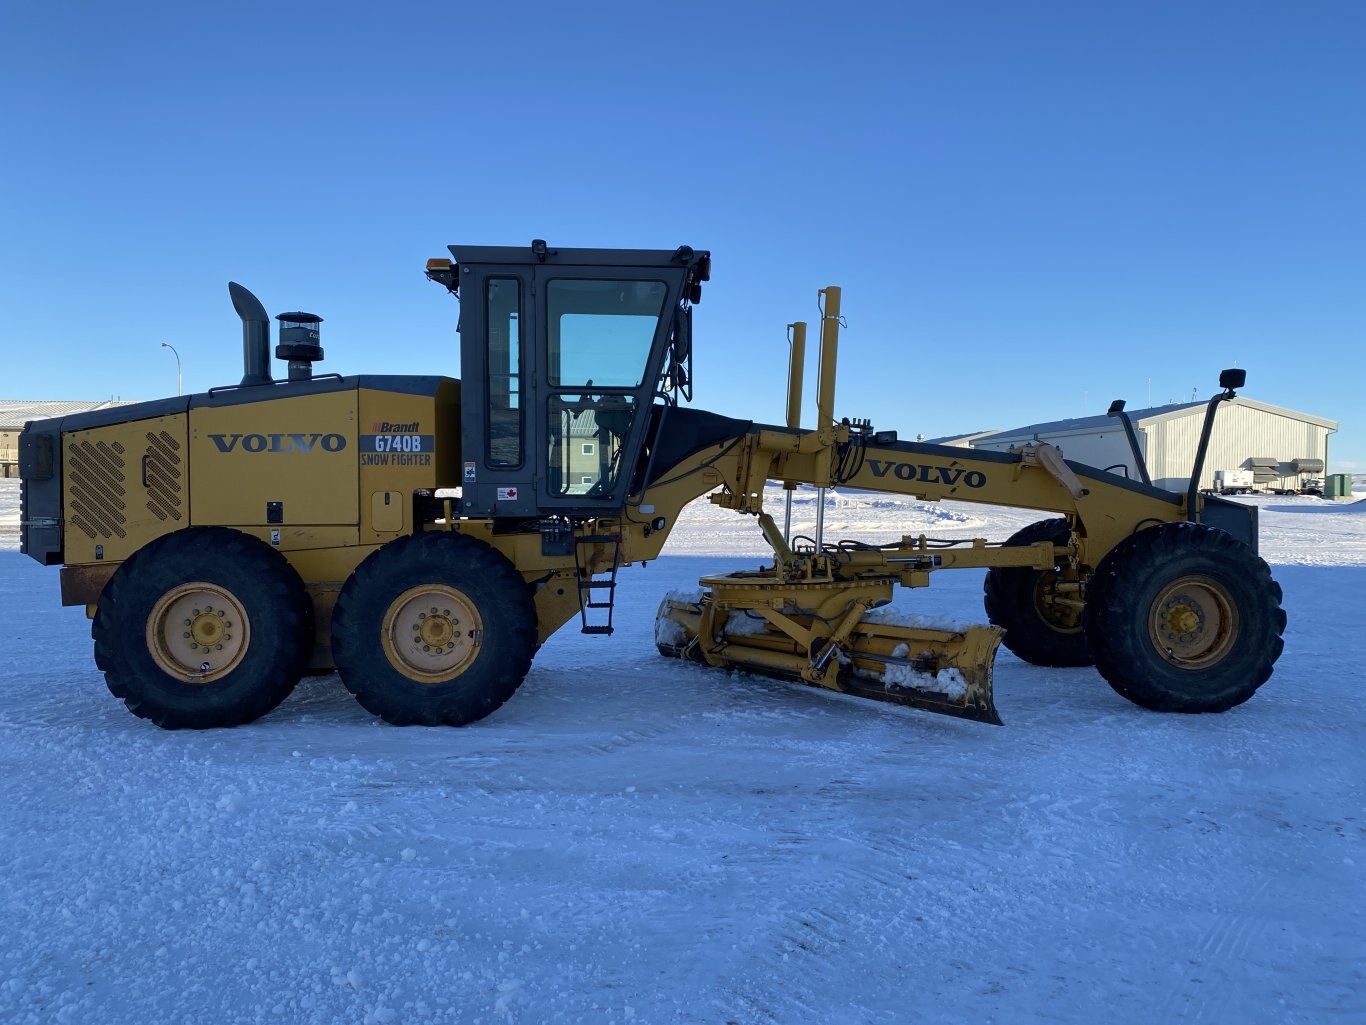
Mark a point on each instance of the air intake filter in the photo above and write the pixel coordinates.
(300, 343)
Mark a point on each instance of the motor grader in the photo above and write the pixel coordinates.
(423, 536)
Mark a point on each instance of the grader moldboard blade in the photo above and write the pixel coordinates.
(886, 655)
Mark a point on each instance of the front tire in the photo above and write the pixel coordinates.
(434, 629)
(201, 628)
(1182, 617)
(1018, 599)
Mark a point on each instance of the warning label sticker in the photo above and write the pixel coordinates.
(469, 473)
(507, 494)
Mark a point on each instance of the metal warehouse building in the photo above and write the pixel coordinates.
(15, 413)
(1281, 446)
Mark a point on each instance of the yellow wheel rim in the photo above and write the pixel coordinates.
(1062, 617)
(431, 633)
(1194, 622)
(198, 632)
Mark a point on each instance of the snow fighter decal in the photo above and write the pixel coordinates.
(928, 474)
(397, 449)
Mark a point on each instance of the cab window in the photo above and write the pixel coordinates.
(504, 362)
(600, 332)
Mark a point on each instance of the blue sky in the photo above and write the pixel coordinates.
(1033, 208)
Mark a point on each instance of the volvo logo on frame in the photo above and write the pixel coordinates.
(928, 474)
(305, 442)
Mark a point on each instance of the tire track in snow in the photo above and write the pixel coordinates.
(847, 893)
(1198, 997)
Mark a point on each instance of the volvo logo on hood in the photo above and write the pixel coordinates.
(293, 442)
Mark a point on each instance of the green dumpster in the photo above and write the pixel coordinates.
(1337, 485)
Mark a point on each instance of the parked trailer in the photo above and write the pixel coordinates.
(1234, 482)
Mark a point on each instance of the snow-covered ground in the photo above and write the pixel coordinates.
(632, 839)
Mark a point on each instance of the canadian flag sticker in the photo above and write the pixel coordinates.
(507, 494)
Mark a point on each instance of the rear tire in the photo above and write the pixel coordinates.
(1037, 631)
(434, 629)
(1182, 617)
(201, 628)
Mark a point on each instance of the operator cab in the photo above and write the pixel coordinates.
(563, 353)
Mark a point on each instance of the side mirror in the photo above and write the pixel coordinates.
(1116, 408)
(680, 353)
(682, 348)
(1233, 378)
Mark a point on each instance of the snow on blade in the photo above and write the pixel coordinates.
(668, 633)
(685, 597)
(890, 615)
(948, 682)
(745, 624)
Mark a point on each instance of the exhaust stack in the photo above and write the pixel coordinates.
(255, 336)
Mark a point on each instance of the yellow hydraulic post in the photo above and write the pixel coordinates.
(825, 393)
(796, 369)
(830, 342)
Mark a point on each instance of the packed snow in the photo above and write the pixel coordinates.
(948, 682)
(639, 839)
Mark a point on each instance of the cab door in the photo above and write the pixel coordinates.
(497, 369)
(602, 337)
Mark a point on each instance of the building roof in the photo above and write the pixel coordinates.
(961, 439)
(14, 413)
(1143, 417)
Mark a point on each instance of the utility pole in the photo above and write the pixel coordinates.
(178, 389)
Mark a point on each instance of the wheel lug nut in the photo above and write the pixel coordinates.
(218, 647)
(185, 634)
(426, 647)
(187, 622)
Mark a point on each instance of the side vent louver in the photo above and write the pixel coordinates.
(96, 478)
(161, 473)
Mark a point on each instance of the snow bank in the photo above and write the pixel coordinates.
(635, 839)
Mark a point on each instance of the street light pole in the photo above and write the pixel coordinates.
(178, 389)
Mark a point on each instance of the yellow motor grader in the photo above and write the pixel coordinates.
(425, 535)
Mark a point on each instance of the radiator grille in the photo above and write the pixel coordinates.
(161, 472)
(95, 475)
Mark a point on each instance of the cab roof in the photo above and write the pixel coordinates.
(539, 252)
